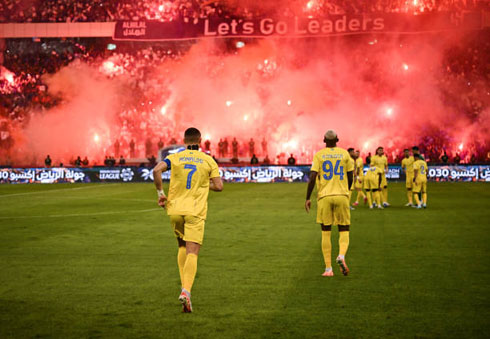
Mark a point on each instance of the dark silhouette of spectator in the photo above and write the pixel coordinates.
(234, 145)
(148, 146)
(473, 159)
(445, 158)
(85, 161)
(291, 160)
(47, 161)
(160, 144)
(267, 161)
(173, 141)
(254, 160)
(225, 147)
(207, 145)
(221, 149)
(131, 148)
(264, 146)
(457, 159)
(78, 161)
(251, 146)
(117, 147)
(122, 161)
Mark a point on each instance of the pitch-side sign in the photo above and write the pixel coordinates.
(229, 174)
(297, 27)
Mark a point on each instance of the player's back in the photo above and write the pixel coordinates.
(189, 182)
(422, 168)
(332, 165)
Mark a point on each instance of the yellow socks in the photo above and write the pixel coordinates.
(370, 198)
(360, 195)
(327, 248)
(343, 242)
(385, 194)
(190, 269)
(417, 200)
(181, 256)
(377, 198)
(409, 196)
(424, 198)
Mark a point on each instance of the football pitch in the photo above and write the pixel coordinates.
(99, 260)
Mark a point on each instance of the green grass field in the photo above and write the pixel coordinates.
(100, 261)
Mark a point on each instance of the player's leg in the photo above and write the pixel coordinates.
(177, 223)
(424, 194)
(342, 214)
(325, 218)
(408, 185)
(377, 197)
(181, 257)
(369, 198)
(327, 249)
(416, 190)
(193, 236)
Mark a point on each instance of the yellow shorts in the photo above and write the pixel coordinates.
(409, 181)
(420, 186)
(188, 227)
(358, 185)
(384, 182)
(371, 184)
(333, 210)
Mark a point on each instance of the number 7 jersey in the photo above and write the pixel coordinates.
(190, 172)
(332, 165)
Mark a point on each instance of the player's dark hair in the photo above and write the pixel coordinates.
(415, 148)
(417, 155)
(380, 147)
(192, 135)
(350, 149)
(406, 149)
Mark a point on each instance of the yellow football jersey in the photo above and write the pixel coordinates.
(379, 161)
(407, 165)
(332, 165)
(421, 167)
(189, 182)
(359, 167)
(373, 173)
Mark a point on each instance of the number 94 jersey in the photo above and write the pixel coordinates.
(332, 165)
(189, 182)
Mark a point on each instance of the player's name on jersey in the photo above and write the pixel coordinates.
(191, 159)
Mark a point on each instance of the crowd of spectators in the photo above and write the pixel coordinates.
(191, 10)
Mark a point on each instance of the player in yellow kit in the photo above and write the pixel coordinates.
(380, 161)
(193, 174)
(420, 170)
(407, 166)
(352, 154)
(332, 172)
(372, 183)
(359, 178)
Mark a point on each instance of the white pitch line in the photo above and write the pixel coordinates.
(80, 214)
(56, 190)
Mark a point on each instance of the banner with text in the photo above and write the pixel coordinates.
(257, 174)
(297, 27)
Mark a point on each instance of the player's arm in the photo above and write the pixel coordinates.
(415, 173)
(380, 178)
(216, 184)
(161, 167)
(309, 190)
(350, 178)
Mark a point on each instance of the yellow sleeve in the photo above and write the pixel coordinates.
(350, 164)
(316, 164)
(404, 166)
(214, 169)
